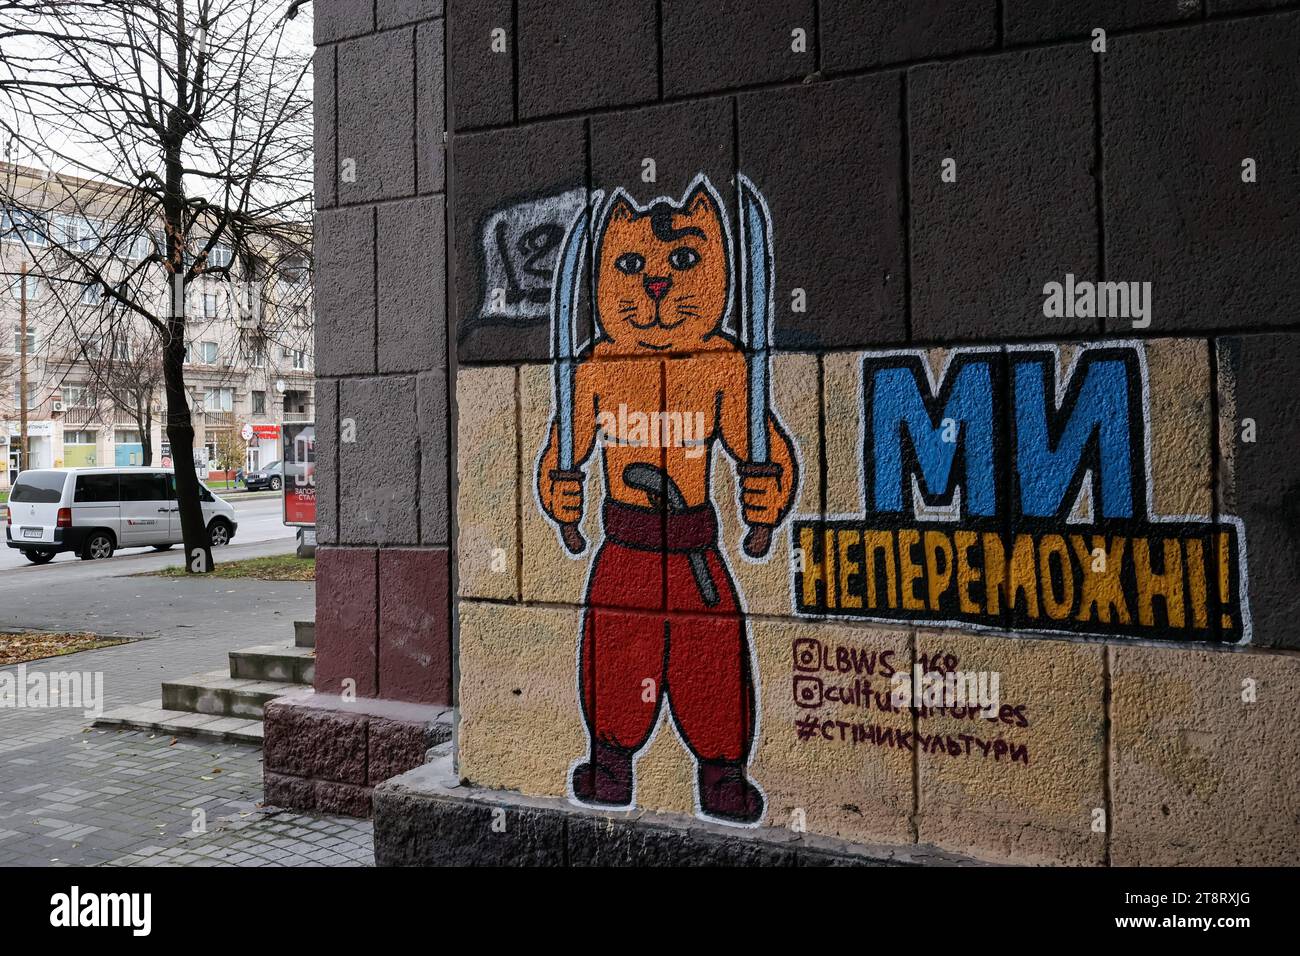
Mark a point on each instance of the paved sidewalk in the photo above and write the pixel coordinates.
(129, 798)
(71, 795)
(268, 837)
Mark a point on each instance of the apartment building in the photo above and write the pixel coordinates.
(94, 384)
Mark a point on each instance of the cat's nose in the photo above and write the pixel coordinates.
(657, 287)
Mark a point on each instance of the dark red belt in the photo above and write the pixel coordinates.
(648, 529)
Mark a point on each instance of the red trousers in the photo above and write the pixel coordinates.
(690, 646)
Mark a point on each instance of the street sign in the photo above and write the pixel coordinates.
(298, 444)
(246, 433)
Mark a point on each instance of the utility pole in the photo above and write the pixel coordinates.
(22, 370)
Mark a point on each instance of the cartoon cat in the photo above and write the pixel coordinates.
(663, 279)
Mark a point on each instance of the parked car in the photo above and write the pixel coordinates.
(94, 511)
(272, 476)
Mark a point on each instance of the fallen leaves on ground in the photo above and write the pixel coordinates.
(278, 568)
(26, 646)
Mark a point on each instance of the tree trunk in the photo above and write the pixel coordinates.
(145, 421)
(180, 432)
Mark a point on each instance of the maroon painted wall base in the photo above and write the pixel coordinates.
(326, 754)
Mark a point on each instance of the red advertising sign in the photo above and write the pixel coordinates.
(298, 440)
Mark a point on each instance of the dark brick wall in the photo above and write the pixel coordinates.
(381, 350)
(1123, 165)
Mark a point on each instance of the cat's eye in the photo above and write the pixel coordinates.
(630, 262)
(683, 257)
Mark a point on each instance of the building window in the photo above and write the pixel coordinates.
(77, 396)
(31, 342)
(220, 256)
(19, 225)
(208, 353)
(92, 293)
(82, 232)
(295, 403)
(125, 436)
(209, 305)
(32, 393)
(292, 274)
(259, 403)
(79, 437)
(35, 288)
(297, 358)
(219, 400)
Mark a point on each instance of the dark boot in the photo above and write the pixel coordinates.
(726, 793)
(606, 778)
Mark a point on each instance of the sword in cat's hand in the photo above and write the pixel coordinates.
(756, 286)
(564, 307)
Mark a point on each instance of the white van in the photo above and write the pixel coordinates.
(95, 511)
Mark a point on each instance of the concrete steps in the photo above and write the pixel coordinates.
(151, 716)
(281, 663)
(227, 705)
(216, 692)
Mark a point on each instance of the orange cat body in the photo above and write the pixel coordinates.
(661, 384)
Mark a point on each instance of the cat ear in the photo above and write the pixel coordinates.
(620, 208)
(701, 201)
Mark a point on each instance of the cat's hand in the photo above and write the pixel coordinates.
(562, 493)
(763, 493)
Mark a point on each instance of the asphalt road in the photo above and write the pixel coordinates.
(260, 522)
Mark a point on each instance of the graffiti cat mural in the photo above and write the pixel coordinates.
(664, 382)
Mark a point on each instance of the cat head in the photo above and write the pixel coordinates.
(663, 273)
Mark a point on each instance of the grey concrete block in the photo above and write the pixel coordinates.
(683, 139)
(412, 295)
(427, 816)
(323, 121)
(336, 19)
(430, 108)
(1239, 6)
(1026, 21)
(345, 291)
(1023, 211)
(482, 78)
(856, 34)
(327, 498)
(431, 389)
(416, 831)
(582, 56)
(1260, 480)
(396, 13)
(795, 144)
(729, 43)
(1183, 109)
(379, 472)
(596, 841)
(376, 104)
(495, 172)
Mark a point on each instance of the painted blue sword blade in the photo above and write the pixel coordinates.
(568, 270)
(758, 266)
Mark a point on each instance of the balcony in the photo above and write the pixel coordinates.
(297, 416)
(79, 414)
(218, 419)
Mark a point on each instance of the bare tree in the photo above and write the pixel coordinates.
(197, 114)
